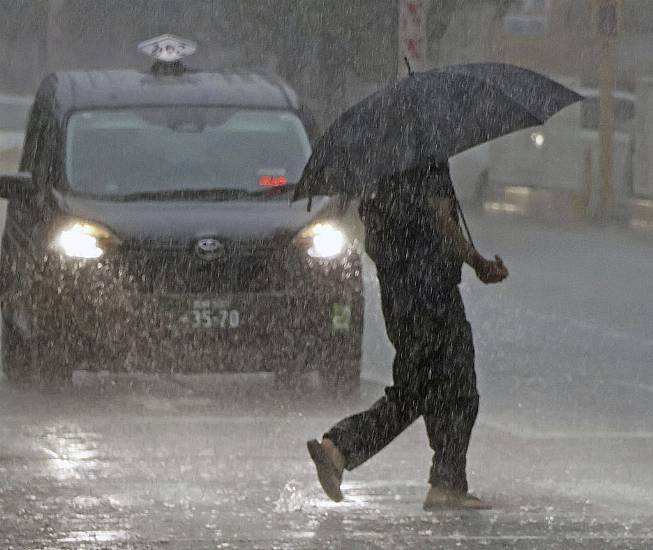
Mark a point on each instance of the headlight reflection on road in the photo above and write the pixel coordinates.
(71, 454)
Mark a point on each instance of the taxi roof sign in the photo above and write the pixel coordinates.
(167, 48)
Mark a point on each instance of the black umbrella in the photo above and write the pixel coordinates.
(425, 119)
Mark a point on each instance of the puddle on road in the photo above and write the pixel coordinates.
(96, 536)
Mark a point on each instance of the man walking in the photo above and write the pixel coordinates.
(413, 236)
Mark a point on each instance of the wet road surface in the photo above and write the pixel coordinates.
(152, 465)
(563, 448)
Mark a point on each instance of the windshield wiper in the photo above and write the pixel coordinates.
(184, 194)
(218, 194)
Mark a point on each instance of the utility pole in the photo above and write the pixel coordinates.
(607, 15)
(412, 36)
(54, 37)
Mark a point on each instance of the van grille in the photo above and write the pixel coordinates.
(244, 267)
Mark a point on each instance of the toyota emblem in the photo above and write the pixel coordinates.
(209, 249)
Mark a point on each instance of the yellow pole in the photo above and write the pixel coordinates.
(584, 198)
(606, 124)
(607, 17)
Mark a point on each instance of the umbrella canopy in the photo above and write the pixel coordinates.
(425, 119)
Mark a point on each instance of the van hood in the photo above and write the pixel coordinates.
(184, 221)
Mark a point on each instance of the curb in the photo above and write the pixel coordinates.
(641, 215)
(533, 202)
(563, 206)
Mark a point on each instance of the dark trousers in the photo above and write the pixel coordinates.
(433, 374)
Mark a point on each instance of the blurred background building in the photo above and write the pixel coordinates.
(331, 51)
(336, 52)
(348, 45)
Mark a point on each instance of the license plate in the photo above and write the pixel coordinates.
(212, 313)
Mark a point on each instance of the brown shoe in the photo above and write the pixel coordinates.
(330, 463)
(439, 498)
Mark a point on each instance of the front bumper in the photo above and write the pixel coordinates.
(107, 321)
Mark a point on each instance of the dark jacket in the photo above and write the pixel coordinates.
(400, 233)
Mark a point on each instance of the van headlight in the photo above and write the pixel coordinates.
(324, 240)
(83, 240)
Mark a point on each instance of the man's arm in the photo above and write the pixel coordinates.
(487, 271)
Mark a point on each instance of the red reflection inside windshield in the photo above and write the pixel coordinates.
(272, 181)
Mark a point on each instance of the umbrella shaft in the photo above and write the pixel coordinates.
(462, 217)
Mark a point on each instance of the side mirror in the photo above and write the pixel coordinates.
(16, 186)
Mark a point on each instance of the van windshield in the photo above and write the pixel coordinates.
(183, 150)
